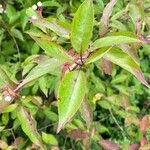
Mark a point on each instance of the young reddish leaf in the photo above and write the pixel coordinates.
(47, 66)
(134, 147)
(28, 125)
(105, 17)
(70, 96)
(107, 145)
(96, 55)
(86, 112)
(106, 66)
(144, 141)
(125, 61)
(144, 124)
(78, 134)
(82, 26)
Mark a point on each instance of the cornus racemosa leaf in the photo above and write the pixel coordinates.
(52, 49)
(113, 40)
(82, 26)
(104, 22)
(28, 125)
(126, 62)
(5, 80)
(86, 112)
(54, 26)
(96, 55)
(107, 145)
(70, 96)
(47, 66)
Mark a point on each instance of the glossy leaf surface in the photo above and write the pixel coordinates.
(82, 26)
(71, 93)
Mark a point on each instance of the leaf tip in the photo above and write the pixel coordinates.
(60, 126)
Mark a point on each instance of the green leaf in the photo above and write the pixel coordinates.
(71, 93)
(54, 26)
(96, 55)
(52, 49)
(50, 115)
(113, 40)
(28, 125)
(125, 61)
(10, 108)
(49, 139)
(4, 79)
(82, 26)
(47, 66)
(104, 104)
(17, 34)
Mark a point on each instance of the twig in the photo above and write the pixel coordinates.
(115, 120)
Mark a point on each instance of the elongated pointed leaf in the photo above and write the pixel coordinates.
(5, 80)
(71, 93)
(50, 48)
(82, 26)
(47, 66)
(59, 30)
(104, 22)
(107, 145)
(125, 61)
(96, 55)
(113, 40)
(28, 125)
(86, 112)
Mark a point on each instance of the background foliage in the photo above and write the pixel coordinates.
(105, 106)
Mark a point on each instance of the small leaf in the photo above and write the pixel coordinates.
(105, 18)
(106, 66)
(71, 93)
(17, 34)
(107, 145)
(143, 141)
(113, 40)
(77, 134)
(5, 80)
(134, 147)
(125, 61)
(3, 145)
(10, 108)
(28, 125)
(86, 112)
(82, 26)
(54, 26)
(49, 139)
